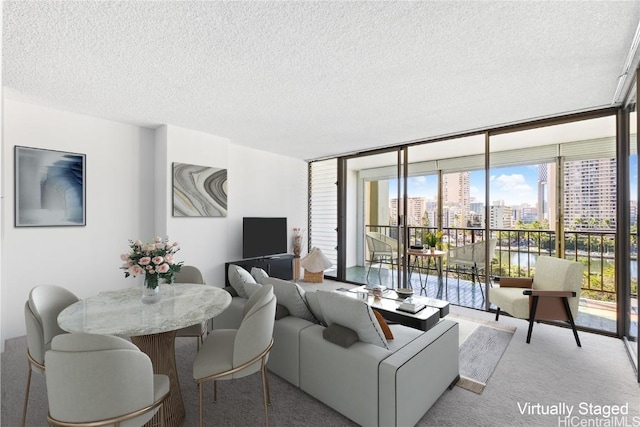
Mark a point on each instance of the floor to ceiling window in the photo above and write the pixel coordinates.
(547, 190)
(554, 192)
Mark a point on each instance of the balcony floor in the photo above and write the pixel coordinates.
(592, 314)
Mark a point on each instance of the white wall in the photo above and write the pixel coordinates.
(129, 197)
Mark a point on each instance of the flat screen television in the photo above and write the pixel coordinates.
(264, 236)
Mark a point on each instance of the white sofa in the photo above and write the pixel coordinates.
(370, 384)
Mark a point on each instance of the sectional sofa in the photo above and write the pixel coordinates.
(334, 348)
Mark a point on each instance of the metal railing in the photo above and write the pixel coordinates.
(517, 250)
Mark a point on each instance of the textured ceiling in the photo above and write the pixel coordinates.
(312, 79)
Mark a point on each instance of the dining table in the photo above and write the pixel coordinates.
(152, 327)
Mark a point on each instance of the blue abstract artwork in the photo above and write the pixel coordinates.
(49, 188)
(199, 191)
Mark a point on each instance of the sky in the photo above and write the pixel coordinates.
(514, 185)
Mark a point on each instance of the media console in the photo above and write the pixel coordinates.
(280, 266)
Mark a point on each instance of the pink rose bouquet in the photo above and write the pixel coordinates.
(155, 260)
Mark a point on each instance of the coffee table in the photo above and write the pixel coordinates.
(388, 305)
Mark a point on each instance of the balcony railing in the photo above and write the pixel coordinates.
(518, 249)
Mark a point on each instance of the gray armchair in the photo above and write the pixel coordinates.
(469, 259)
(382, 249)
(100, 380)
(191, 274)
(236, 353)
(41, 317)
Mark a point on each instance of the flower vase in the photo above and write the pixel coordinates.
(150, 291)
(432, 249)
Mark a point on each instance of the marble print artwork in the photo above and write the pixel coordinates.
(199, 190)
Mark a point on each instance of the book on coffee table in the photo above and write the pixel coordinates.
(411, 306)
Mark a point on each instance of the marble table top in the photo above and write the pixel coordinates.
(122, 312)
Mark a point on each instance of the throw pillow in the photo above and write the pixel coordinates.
(383, 325)
(338, 334)
(258, 274)
(314, 306)
(238, 276)
(353, 314)
(291, 295)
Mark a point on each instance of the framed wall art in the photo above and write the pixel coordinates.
(199, 191)
(50, 188)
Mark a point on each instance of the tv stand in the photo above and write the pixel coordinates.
(280, 266)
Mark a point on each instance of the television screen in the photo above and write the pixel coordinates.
(264, 236)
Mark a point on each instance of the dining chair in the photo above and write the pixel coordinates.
(236, 353)
(552, 294)
(191, 274)
(41, 317)
(99, 380)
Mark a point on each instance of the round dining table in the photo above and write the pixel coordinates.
(152, 327)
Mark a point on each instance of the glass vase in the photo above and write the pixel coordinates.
(150, 291)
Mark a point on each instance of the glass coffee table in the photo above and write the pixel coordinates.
(389, 304)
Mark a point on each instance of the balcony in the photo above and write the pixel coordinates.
(515, 256)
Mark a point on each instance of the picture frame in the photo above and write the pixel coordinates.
(199, 191)
(50, 188)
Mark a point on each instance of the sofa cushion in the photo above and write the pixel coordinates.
(238, 276)
(338, 334)
(314, 306)
(353, 314)
(291, 295)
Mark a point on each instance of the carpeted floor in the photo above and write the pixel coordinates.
(550, 370)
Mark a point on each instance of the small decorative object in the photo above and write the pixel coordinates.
(404, 292)
(314, 265)
(156, 261)
(377, 292)
(432, 240)
(297, 242)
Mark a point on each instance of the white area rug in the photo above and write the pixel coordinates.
(482, 344)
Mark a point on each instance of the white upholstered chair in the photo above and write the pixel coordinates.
(41, 318)
(552, 294)
(236, 353)
(383, 250)
(99, 380)
(191, 274)
(469, 259)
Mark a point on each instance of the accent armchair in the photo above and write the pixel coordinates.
(552, 294)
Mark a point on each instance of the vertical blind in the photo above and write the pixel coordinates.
(323, 209)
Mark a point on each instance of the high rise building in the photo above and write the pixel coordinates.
(590, 193)
(456, 195)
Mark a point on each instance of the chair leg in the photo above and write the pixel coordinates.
(497, 313)
(200, 404)
(567, 309)
(26, 397)
(532, 316)
(265, 394)
(161, 410)
(215, 391)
